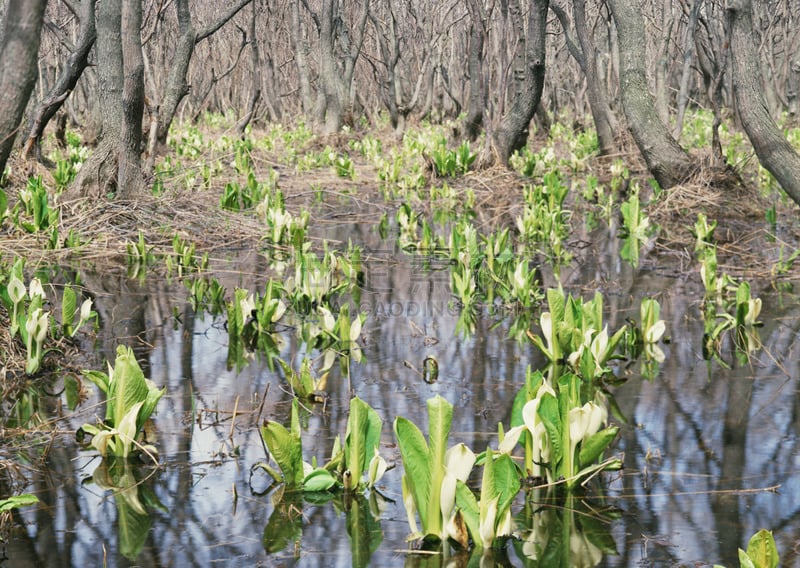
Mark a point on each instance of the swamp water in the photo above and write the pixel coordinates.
(710, 454)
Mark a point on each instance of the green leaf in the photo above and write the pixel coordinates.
(762, 550)
(470, 511)
(594, 446)
(318, 480)
(3, 205)
(354, 441)
(286, 449)
(362, 437)
(17, 501)
(548, 412)
(440, 417)
(415, 455)
(516, 408)
(556, 304)
(72, 391)
(505, 480)
(69, 304)
(99, 378)
(127, 387)
(149, 404)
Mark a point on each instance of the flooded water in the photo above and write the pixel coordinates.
(710, 454)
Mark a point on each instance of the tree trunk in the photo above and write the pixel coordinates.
(666, 160)
(22, 27)
(663, 57)
(328, 114)
(98, 174)
(476, 103)
(793, 85)
(71, 72)
(605, 122)
(688, 57)
(255, 61)
(301, 50)
(773, 150)
(129, 176)
(391, 85)
(390, 55)
(177, 88)
(527, 79)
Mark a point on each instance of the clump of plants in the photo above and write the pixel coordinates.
(354, 466)
(431, 471)
(544, 224)
(574, 334)
(32, 321)
(130, 401)
(728, 307)
(563, 438)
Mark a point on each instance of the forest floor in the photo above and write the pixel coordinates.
(105, 227)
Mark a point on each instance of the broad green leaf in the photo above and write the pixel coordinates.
(286, 449)
(127, 386)
(615, 339)
(556, 303)
(416, 459)
(275, 475)
(550, 417)
(594, 446)
(72, 391)
(762, 550)
(17, 501)
(318, 480)
(362, 438)
(440, 417)
(373, 433)
(470, 510)
(69, 303)
(533, 381)
(505, 479)
(355, 440)
(149, 405)
(745, 561)
(516, 408)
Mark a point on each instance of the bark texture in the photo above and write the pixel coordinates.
(585, 54)
(70, 73)
(666, 160)
(177, 87)
(98, 174)
(129, 177)
(476, 103)
(773, 150)
(22, 28)
(527, 79)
